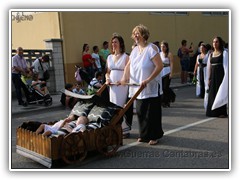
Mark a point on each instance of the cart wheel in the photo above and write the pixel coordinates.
(73, 148)
(107, 141)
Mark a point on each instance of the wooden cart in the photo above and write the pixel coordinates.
(73, 147)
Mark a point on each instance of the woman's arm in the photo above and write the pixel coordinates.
(126, 74)
(107, 75)
(170, 56)
(196, 66)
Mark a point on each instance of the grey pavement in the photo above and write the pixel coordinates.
(31, 108)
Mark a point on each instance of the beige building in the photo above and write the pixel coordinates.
(73, 28)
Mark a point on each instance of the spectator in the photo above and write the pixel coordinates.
(104, 52)
(88, 62)
(95, 83)
(78, 89)
(19, 67)
(36, 83)
(144, 66)
(185, 60)
(27, 78)
(96, 58)
(41, 65)
(66, 100)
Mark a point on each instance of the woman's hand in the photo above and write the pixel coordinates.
(144, 83)
(118, 83)
(123, 82)
(107, 81)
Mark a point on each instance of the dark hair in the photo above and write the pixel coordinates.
(157, 44)
(121, 42)
(105, 43)
(221, 43)
(167, 47)
(200, 43)
(208, 47)
(68, 86)
(84, 47)
(46, 58)
(95, 48)
(97, 74)
(184, 42)
(35, 76)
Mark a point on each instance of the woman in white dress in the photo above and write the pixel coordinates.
(166, 73)
(116, 63)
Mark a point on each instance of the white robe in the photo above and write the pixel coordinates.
(222, 94)
(198, 87)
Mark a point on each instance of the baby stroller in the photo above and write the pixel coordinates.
(37, 97)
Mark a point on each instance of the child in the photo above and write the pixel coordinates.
(36, 83)
(80, 125)
(52, 129)
(78, 89)
(27, 78)
(95, 83)
(68, 101)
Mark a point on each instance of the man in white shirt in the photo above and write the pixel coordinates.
(40, 66)
(19, 67)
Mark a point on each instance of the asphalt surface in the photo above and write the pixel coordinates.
(191, 140)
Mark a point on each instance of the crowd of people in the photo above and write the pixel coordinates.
(149, 65)
(24, 76)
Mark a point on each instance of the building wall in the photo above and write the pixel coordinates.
(77, 28)
(31, 33)
(95, 27)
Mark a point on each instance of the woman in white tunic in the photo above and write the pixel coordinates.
(116, 63)
(166, 73)
(144, 66)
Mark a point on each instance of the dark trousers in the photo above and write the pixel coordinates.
(149, 115)
(166, 90)
(16, 78)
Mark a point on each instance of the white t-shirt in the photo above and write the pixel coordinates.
(38, 69)
(141, 67)
(165, 60)
(97, 59)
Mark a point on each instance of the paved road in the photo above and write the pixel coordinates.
(191, 141)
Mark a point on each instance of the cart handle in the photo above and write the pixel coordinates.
(129, 103)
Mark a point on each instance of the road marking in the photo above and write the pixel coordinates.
(168, 132)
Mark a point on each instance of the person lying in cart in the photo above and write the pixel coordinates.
(79, 114)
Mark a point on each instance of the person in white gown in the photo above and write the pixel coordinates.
(116, 63)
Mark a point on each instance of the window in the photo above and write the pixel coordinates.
(170, 13)
(215, 13)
